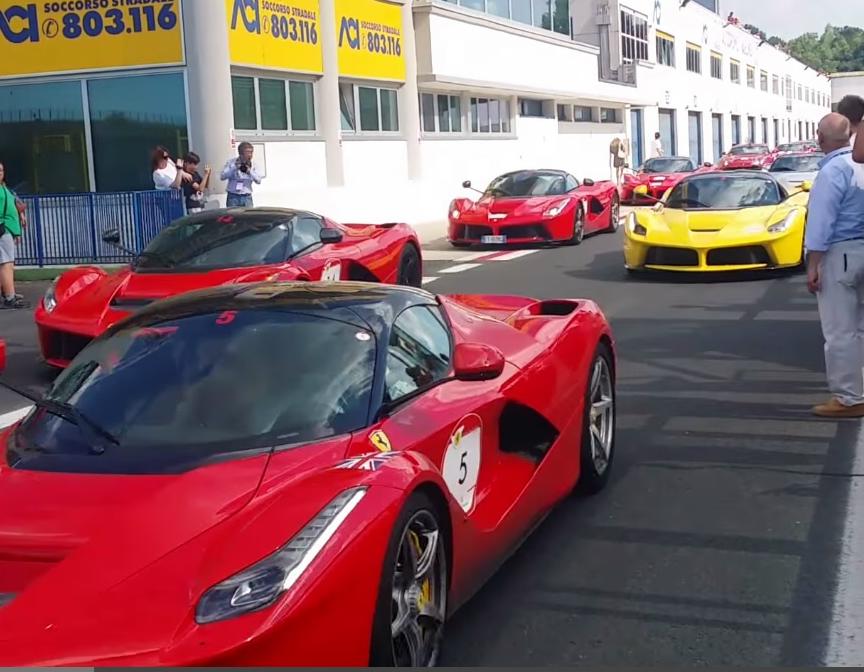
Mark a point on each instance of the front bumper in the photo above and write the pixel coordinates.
(61, 339)
(517, 231)
(710, 252)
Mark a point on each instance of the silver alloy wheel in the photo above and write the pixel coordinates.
(419, 593)
(616, 213)
(602, 416)
(579, 226)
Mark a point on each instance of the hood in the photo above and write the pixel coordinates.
(744, 160)
(113, 297)
(515, 207)
(684, 222)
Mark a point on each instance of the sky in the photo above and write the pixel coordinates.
(790, 18)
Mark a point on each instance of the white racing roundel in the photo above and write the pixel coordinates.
(462, 460)
(332, 271)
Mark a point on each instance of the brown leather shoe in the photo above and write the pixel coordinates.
(834, 409)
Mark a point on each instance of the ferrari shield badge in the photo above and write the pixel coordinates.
(462, 460)
(381, 441)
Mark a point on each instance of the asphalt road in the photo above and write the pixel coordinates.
(718, 539)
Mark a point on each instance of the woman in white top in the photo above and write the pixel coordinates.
(166, 173)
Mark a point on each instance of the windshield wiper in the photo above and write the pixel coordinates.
(93, 432)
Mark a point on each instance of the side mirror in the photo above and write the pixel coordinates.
(588, 182)
(806, 186)
(331, 236)
(477, 361)
(111, 236)
(707, 164)
(466, 184)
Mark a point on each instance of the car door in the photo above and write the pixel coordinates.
(597, 200)
(320, 261)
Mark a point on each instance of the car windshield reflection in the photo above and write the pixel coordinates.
(668, 166)
(526, 184)
(724, 193)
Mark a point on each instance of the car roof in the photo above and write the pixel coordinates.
(276, 213)
(800, 154)
(368, 304)
(548, 171)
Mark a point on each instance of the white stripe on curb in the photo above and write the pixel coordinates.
(846, 643)
(431, 278)
(459, 268)
(451, 255)
(12, 417)
(510, 256)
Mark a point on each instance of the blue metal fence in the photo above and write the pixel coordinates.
(66, 229)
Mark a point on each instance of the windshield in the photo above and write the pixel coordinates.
(794, 147)
(724, 193)
(194, 387)
(668, 166)
(749, 149)
(797, 164)
(528, 183)
(223, 241)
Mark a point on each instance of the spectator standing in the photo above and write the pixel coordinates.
(12, 221)
(240, 173)
(852, 107)
(657, 146)
(835, 267)
(617, 157)
(193, 191)
(167, 174)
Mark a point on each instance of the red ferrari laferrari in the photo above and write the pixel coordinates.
(293, 473)
(746, 157)
(659, 175)
(220, 247)
(534, 206)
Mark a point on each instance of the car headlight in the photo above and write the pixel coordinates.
(49, 301)
(785, 223)
(455, 214)
(263, 583)
(557, 209)
(634, 226)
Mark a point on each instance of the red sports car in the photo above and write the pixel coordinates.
(742, 157)
(221, 247)
(534, 206)
(293, 473)
(659, 175)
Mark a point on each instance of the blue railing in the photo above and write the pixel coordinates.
(66, 229)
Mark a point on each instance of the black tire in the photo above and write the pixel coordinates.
(384, 651)
(578, 227)
(592, 478)
(410, 268)
(614, 215)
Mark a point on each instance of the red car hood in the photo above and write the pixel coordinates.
(97, 306)
(744, 161)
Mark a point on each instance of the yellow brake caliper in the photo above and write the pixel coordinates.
(426, 586)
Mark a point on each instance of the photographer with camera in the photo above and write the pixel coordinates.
(240, 174)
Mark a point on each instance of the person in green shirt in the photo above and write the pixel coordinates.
(12, 221)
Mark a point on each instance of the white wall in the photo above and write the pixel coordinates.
(846, 84)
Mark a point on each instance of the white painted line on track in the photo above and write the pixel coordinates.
(12, 417)
(846, 643)
(428, 279)
(451, 255)
(459, 268)
(510, 256)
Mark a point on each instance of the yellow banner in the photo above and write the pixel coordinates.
(371, 44)
(84, 35)
(280, 34)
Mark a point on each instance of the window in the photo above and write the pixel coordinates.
(128, 116)
(490, 115)
(751, 76)
(368, 109)
(610, 115)
(665, 49)
(547, 14)
(716, 65)
(775, 85)
(736, 129)
(800, 92)
(735, 72)
(262, 104)
(565, 112)
(634, 36)
(763, 81)
(583, 113)
(441, 113)
(306, 233)
(530, 108)
(418, 354)
(694, 58)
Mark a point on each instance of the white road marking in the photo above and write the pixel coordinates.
(451, 255)
(431, 278)
(459, 268)
(846, 643)
(510, 256)
(12, 417)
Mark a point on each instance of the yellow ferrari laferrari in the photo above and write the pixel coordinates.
(719, 221)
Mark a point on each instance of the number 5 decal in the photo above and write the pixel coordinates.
(332, 271)
(461, 469)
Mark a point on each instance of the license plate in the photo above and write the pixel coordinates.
(493, 240)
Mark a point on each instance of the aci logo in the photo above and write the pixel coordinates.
(350, 31)
(253, 24)
(16, 34)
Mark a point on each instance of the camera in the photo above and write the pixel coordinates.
(243, 166)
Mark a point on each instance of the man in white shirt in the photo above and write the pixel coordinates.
(852, 107)
(657, 146)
